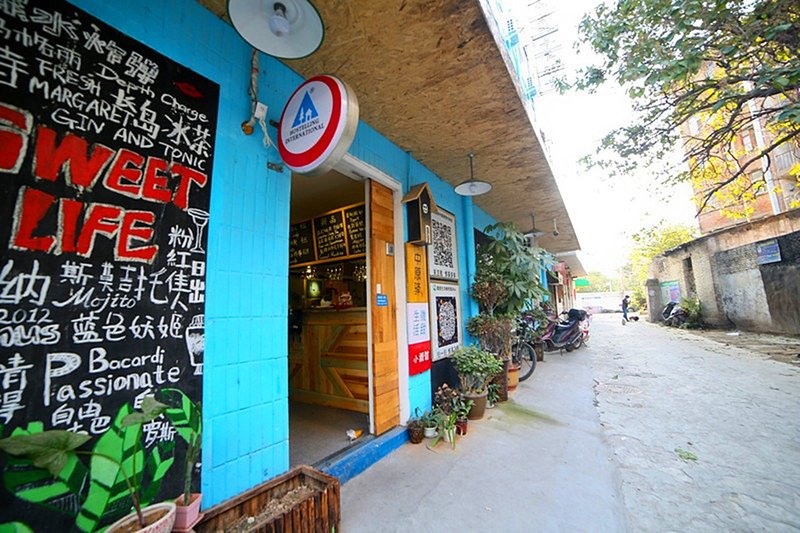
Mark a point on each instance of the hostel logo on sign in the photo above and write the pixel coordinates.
(317, 125)
(307, 111)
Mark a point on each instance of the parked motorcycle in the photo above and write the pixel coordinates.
(569, 334)
(673, 314)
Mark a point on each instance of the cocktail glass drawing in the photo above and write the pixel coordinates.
(195, 343)
(200, 219)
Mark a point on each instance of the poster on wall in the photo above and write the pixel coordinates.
(670, 292)
(445, 307)
(106, 151)
(443, 252)
(419, 338)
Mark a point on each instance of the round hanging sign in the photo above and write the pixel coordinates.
(318, 125)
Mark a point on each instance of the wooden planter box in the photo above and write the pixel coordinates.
(318, 511)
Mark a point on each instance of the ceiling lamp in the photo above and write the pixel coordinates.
(289, 29)
(473, 187)
(534, 231)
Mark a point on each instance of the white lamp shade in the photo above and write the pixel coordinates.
(251, 18)
(473, 188)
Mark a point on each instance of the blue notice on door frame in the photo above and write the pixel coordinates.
(382, 300)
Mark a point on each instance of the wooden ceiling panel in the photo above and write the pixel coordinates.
(429, 76)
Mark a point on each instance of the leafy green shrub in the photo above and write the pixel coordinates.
(475, 368)
(694, 317)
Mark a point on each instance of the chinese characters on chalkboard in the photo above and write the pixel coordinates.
(338, 234)
(106, 152)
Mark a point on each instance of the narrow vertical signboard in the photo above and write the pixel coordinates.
(418, 318)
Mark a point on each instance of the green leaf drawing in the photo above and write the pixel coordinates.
(15, 527)
(155, 469)
(183, 413)
(116, 461)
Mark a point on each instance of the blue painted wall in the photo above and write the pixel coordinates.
(245, 389)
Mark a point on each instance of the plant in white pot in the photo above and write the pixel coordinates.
(119, 475)
(187, 419)
(475, 368)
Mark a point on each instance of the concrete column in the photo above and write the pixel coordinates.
(654, 304)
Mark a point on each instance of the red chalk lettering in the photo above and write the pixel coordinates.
(68, 216)
(15, 128)
(131, 232)
(71, 156)
(187, 176)
(100, 218)
(123, 179)
(32, 206)
(155, 186)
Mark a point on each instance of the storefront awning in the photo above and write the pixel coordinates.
(430, 77)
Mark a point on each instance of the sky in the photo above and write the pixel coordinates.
(604, 211)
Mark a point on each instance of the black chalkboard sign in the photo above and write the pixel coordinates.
(106, 151)
(355, 221)
(301, 243)
(329, 234)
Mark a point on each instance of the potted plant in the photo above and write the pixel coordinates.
(187, 419)
(447, 431)
(415, 428)
(462, 411)
(506, 281)
(492, 396)
(115, 460)
(430, 422)
(475, 368)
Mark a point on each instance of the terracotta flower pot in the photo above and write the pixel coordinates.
(186, 516)
(478, 405)
(462, 424)
(163, 524)
(415, 434)
(513, 377)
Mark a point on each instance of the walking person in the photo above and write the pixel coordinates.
(625, 302)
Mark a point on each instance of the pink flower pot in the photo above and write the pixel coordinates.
(187, 516)
(162, 525)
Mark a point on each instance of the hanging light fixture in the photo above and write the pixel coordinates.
(534, 231)
(473, 187)
(289, 29)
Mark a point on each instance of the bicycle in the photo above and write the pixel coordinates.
(522, 352)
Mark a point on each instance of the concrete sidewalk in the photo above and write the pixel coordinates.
(537, 463)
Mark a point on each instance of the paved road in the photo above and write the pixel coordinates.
(538, 463)
(663, 394)
(647, 429)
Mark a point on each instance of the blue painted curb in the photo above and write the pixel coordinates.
(355, 460)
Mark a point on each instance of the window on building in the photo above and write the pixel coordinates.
(747, 141)
(786, 156)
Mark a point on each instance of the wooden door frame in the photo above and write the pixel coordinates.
(355, 168)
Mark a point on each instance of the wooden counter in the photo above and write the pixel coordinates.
(328, 360)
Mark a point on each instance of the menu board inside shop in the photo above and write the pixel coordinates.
(329, 234)
(106, 151)
(301, 243)
(356, 225)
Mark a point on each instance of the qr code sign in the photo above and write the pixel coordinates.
(442, 244)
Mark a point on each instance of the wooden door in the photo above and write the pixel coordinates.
(385, 386)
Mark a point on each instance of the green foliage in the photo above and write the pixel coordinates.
(187, 419)
(509, 258)
(43, 467)
(599, 282)
(495, 333)
(648, 243)
(475, 368)
(15, 527)
(50, 450)
(705, 68)
(694, 316)
(37, 485)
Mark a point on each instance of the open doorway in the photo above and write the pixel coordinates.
(328, 327)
